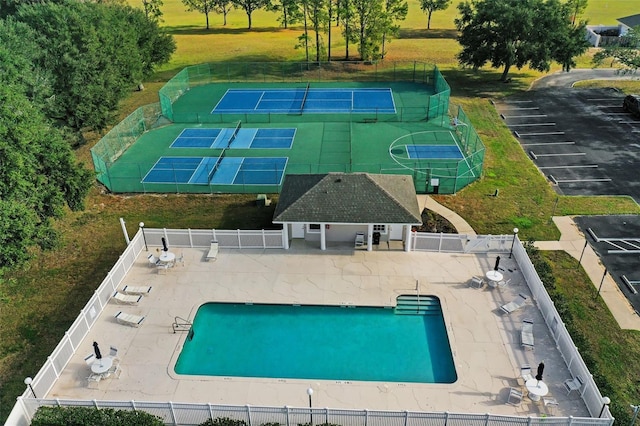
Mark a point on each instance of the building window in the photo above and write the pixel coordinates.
(313, 228)
(380, 228)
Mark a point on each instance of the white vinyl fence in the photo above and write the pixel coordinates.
(193, 414)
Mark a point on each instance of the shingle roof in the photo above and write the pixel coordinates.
(630, 21)
(348, 198)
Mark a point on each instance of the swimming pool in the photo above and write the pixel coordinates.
(319, 342)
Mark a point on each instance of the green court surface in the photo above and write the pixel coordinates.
(333, 141)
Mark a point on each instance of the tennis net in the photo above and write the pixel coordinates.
(234, 134)
(304, 98)
(215, 167)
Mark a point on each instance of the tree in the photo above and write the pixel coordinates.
(396, 10)
(152, 9)
(371, 23)
(202, 6)
(316, 10)
(516, 33)
(222, 7)
(345, 15)
(430, 6)
(108, 49)
(290, 11)
(250, 6)
(626, 53)
(577, 8)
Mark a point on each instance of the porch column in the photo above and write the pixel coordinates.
(323, 237)
(370, 237)
(285, 236)
(407, 240)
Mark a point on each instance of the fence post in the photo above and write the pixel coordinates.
(264, 240)
(249, 414)
(173, 414)
(286, 408)
(210, 411)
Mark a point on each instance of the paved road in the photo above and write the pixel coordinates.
(567, 79)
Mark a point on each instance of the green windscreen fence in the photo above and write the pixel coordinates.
(127, 158)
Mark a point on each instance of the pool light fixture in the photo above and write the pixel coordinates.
(28, 381)
(310, 392)
(515, 234)
(144, 237)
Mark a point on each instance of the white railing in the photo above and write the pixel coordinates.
(589, 391)
(193, 414)
(460, 243)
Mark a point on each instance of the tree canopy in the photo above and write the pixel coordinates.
(507, 33)
(108, 48)
(430, 6)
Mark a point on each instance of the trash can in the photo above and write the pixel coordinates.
(376, 238)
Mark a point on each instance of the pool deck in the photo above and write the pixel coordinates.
(485, 344)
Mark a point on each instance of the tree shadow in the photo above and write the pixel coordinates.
(201, 30)
(415, 33)
(485, 82)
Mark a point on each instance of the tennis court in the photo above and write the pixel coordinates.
(238, 138)
(306, 100)
(217, 170)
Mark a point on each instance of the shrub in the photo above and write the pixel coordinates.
(223, 421)
(85, 416)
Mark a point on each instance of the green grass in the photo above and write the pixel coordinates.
(39, 302)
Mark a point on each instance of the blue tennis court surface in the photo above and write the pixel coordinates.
(228, 138)
(288, 101)
(434, 151)
(218, 170)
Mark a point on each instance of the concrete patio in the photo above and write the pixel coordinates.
(485, 343)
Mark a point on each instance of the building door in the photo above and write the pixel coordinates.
(297, 230)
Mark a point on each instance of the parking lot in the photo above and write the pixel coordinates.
(580, 139)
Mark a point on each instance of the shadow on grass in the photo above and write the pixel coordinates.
(409, 33)
(198, 30)
(485, 83)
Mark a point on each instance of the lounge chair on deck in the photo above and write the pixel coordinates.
(132, 289)
(126, 299)
(573, 384)
(93, 380)
(213, 251)
(526, 334)
(525, 372)
(129, 319)
(477, 282)
(514, 305)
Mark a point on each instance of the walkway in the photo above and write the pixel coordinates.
(573, 242)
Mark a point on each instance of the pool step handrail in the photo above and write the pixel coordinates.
(180, 324)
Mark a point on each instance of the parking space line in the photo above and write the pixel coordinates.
(535, 156)
(580, 180)
(518, 134)
(630, 284)
(629, 122)
(588, 166)
(531, 124)
(522, 116)
(523, 108)
(519, 102)
(603, 99)
(549, 143)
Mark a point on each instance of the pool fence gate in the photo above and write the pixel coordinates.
(192, 414)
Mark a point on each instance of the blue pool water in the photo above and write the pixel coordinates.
(318, 342)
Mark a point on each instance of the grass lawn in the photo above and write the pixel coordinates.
(40, 302)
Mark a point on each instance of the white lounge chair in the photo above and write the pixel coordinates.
(477, 282)
(526, 334)
(359, 242)
(515, 396)
(516, 304)
(525, 372)
(573, 384)
(93, 380)
(113, 352)
(129, 319)
(126, 299)
(213, 251)
(503, 284)
(551, 404)
(153, 261)
(132, 289)
(89, 359)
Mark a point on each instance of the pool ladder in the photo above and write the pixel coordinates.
(180, 324)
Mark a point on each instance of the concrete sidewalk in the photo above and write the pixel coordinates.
(573, 242)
